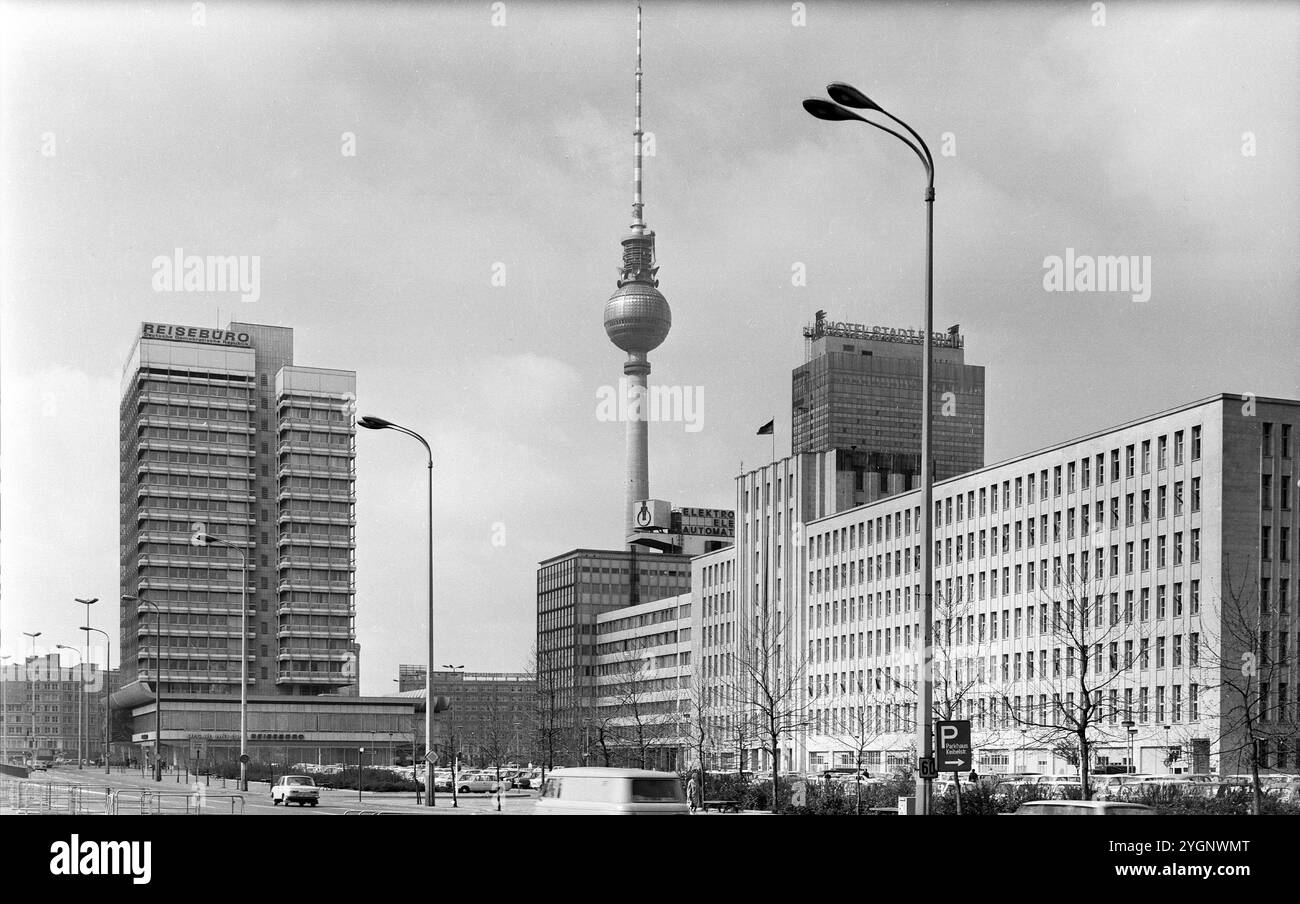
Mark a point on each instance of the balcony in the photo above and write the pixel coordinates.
(285, 676)
(343, 562)
(287, 585)
(318, 539)
(329, 632)
(317, 518)
(340, 495)
(285, 469)
(342, 610)
(317, 655)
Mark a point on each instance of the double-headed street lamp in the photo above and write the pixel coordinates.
(82, 756)
(108, 664)
(833, 110)
(201, 537)
(157, 684)
(80, 663)
(31, 679)
(378, 423)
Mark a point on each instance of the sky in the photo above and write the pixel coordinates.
(436, 192)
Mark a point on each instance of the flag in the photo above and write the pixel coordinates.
(767, 428)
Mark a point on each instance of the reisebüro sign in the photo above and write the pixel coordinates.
(177, 333)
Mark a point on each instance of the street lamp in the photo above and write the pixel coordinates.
(378, 423)
(108, 664)
(843, 96)
(455, 743)
(85, 708)
(201, 537)
(31, 679)
(80, 662)
(360, 752)
(157, 684)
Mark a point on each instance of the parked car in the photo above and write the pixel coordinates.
(605, 790)
(1083, 808)
(474, 782)
(298, 789)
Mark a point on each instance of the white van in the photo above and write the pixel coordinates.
(608, 791)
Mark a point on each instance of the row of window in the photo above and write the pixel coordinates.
(867, 720)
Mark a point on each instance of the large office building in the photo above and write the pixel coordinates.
(859, 392)
(51, 712)
(224, 436)
(573, 590)
(489, 717)
(1125, 575)
(643, 706)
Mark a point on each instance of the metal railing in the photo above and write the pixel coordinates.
(27, 797)
(153, 802)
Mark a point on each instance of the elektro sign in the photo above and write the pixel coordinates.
(193, 334)
(702, 522)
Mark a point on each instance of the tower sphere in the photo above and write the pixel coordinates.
(637, 317)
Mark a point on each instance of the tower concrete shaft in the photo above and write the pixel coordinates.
(636, 372)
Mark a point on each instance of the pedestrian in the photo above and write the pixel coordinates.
(691, 789)
(974, 776)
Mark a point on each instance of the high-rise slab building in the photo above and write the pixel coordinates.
(572, 590)
(220, 431)
(1149, 563)
(859, 393)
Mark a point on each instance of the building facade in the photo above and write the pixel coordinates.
(859, 392)
(221, 432)
(51, 712)
(1106, 579)
(642, 711)
(573, 589)
(489, 717)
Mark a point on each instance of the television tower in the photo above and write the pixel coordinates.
(637, 320)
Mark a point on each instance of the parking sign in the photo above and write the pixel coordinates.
(952, 745)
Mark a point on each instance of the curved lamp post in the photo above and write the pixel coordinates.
(108, 663)
(378, 423)
(157, 684)
(201, 537)
(81, 661)
(834, 110)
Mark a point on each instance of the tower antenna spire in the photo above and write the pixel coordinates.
(638, 206)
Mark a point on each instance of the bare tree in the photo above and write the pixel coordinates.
(549, 725)
(957, 683)
(1087, 625)
(851, 724)
(702, 717)
(770, 666)
(1246, 662)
